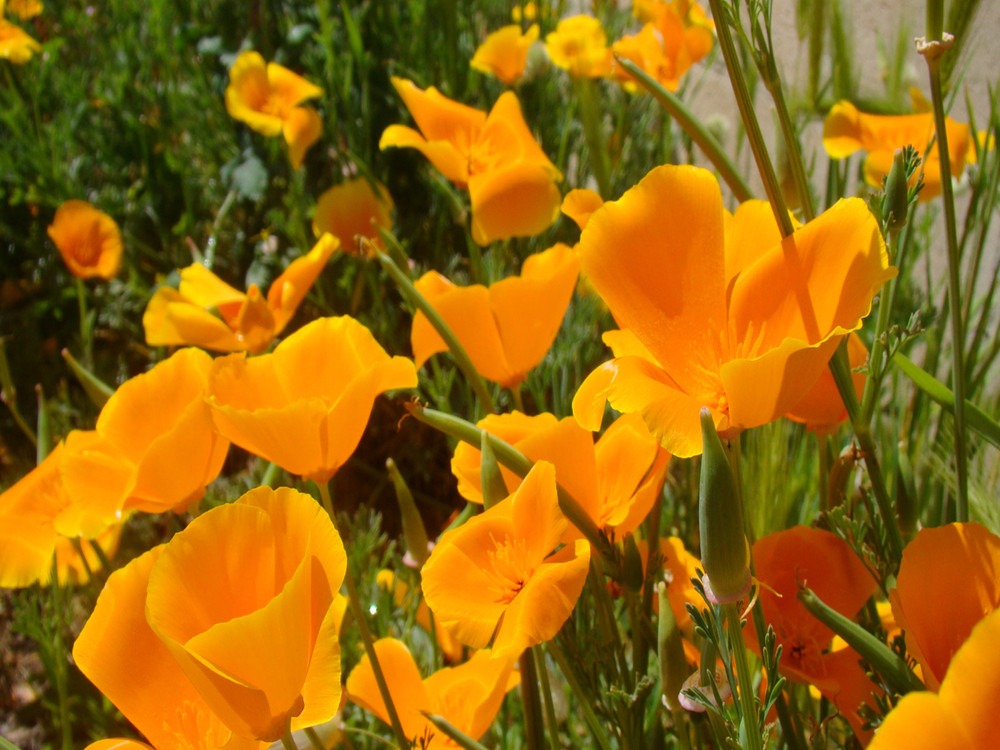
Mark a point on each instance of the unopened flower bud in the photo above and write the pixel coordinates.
(490, 478)
(414, 533)
(895, 202)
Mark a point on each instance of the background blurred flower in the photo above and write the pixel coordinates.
(305, 405)
(15, 44)
(580, 46)
(88, 240)
(245, 322)
(717, 315)
(504, 53)
(351, 210)
(467, 696)
(510, 179)
(495, 577)
(267, 98)
(25, 9)
(507, 328)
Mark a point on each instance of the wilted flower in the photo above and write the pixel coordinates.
(496, 577)
(87, 239)
(268, 98)
(510, 179)
(305, 405)
(227, 631)
(353, 210)
(715, 314)
(504, 53)
(846, 130)
(953, 569)
(467, 696)
(154, 448)
(615, 480)
(507, 328)
(245, 322)
(580, 46)
(15, 43)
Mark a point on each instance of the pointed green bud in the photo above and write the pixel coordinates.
(494, 488)
(632, 564)
(414, 533)
(724, 554)
(673, 664)
(44, 430)
(895, 201)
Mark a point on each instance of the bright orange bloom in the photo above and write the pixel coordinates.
(267, 98)
(507, 328)
(949, 580)
(676, 35)
(504, 53)
(827, 565)
(579, 204)
(38, 519)
(723, 314)
(822, 409)
(467, 696)
(229, 627)
(154, 449)
(15, 43)
(245, 322)
(495, 577)
(616, 481)
(24, 9)
(353, 210)
(305, 405)
(411, 599)
(510, 179)
(847, 130)
(962, 715)
(580, 46)
(87, 239)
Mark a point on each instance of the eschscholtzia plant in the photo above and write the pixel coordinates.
(354, 211)
(228, 632)
(504, 53)
(505, 328)
(720, 312)
(244, 322)
(16, 44)
(512, 183)
(268, 98)
(88, 240)
(579, 45)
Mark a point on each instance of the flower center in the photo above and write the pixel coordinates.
(511, 568)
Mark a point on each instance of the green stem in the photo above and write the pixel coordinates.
(748, 703)
(287, 742)
(590, 115)
(745, 104)
(59, 659)
(518, 398)
(326, 500)
(86, 337)
(550, 711)
(457, 350)
(534, 726)
(585, 700)
(954, 270)
(694, 129)
(314, 739)
(792, 147)
(875, 363)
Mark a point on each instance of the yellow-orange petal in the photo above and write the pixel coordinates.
(302, 128)
(15, 43)
(289, 89)
(354, 209)
(842, 134)
(505, 138)
(446, 156)
(822, 408)
(469, 695)
(520, 200)
(438, 117)
(631, 468)
(579, 204)
(248, 96)
(288, 290)
(88, 240)
(170, 319)
(667, 288)
(406, 688)
(579, 45)
(98, 478)
(73, 568)
(504, 52)
(926, 586)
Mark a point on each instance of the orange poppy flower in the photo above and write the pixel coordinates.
(616, 481)
(267, 98)
(507, 328)
(408, 599)
(245, 322)
(953, 569)
(496, 577)
(829, 567)
(87, 239)
(846, 130)
(467, 696)
(676, 36)
(822, 409)
(580, 204)
(510, 179)
(154, 449)
(38, 519)
(580, 46)
(504, 53)
(229, 626)
(16, 44)
(305, 405)
(724, 314)
(962, 715)
(351, 210)
(24, 9)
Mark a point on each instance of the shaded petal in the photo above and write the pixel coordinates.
(750, 232)
(98, 478)
(822, 409)
(579, 204)
(88, 240)
(406, 689)
(290, 288)
(355, 208)
(203, 288)
(302, 128)
(469, 695)
(842, 134)
(449, 160)
(520, 200)
(631, 468)
(171, 319)
(504, 53)
(438, 117)
(289, 89)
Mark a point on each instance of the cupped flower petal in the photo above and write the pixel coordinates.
(302, 128)
(580, 46)
(517, 201)
(354, 209)
(504, 52)
(88, 240)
